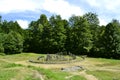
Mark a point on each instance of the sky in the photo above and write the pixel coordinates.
(25, 11)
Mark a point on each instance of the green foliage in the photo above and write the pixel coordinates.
(81, 35)
(2, 36)
(93, 21)
(58, 36)
(92, 18)
(35, 37)
(111, 40)
(78, 35)
(46, 37)
(11, 26)
(13, 43)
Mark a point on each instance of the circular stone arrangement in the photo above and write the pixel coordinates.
(58, 58)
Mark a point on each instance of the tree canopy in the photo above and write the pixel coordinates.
(78, 35)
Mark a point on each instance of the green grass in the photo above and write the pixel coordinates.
(21, 57)
(51, 74)
(11, 65)
(7, 74)
(106, 62)
(77, 78)
(56, 75)
(105, 75)
(29, 77)
(2, 54)
(10, 70)
(4, 64)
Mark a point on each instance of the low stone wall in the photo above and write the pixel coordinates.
(57, 59)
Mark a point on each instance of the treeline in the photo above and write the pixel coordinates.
(80, 35)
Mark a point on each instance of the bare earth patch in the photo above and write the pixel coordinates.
(88, 76)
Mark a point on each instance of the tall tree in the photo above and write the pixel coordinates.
(93, 21)
(11, 26)
(81, 35)
(2, 40)
(68, 36)
(46, 37)
(13, 43)
(111, 39)
(35, 33)
(58, 36)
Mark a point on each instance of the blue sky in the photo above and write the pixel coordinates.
(24, 11)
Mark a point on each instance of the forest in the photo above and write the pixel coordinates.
(79, 35)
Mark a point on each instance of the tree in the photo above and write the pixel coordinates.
(2, 40)
(93, 21)
(43, 20)
(13, 43)
(0, 18)
(27, 40)
(58, 35)
(81, 35)
(111, 40)
(68, 36)
(11, 26)
(46, 35)
(92, 18)
(35, 33)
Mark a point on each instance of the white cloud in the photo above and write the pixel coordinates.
(93, 3)
(61, 7)
(102, 22)
(107, 8)
(105, 4)
(112, 4)
(7, 6)
(23, 23)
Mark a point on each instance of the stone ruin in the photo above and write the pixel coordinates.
(58, 58)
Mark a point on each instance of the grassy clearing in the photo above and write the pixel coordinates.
(97, 67)
(10, 70)
(50, 74)
(4, 65)
(105, 62)
(21, 57)
(11, 65)
(105, 75)
(56, 75)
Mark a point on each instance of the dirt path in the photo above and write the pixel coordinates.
(88, 76)
(48, 66)
(38, 75)
(82, 73)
